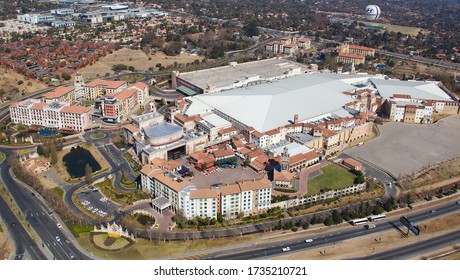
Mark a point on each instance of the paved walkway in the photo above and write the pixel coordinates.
(303, 178)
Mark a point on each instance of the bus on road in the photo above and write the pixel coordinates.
(357, 222)
(376, 218)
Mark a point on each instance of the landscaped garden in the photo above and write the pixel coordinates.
(115, 195)
(333, 177)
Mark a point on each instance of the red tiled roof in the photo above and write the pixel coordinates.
(283, 176)
(226, 130)
(303, 157)
(75, 109)
(105, 83)
(204, 193)
(351, 55)
(352, 162)
(223, 153)
(123, 95)
(58, 92)
(140, 85)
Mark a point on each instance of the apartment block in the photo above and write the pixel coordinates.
(55, 115)
(60, 94)
(97, 88)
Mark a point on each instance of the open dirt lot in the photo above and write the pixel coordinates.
(404, 148)
(136, 58)
(9, 82)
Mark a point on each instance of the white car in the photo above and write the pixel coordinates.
(58, 239)
(59, 225)
(309, 240)
(286, 249)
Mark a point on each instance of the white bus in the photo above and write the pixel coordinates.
(376, 218)
(357, 222)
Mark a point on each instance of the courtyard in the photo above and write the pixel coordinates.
(404, 148)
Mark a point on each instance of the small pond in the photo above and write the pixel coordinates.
(76, 161)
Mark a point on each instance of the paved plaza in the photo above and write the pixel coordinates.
(403, 148)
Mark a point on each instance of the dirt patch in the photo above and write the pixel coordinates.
(6, 247)
(407, 30)
(136, 58)
(11, 81)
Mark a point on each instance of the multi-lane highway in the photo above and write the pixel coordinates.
(331, 238)
(419, 248)
(25, 246)
(55, 239)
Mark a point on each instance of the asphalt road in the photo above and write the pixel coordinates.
(37, 216)
(418, 249)
(298, 244)
(26, 247)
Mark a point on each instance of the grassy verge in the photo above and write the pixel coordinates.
(123, 198)
(134, 165)
(98, 135)
(59, 192)
(1, 229)
(333, 177)
(128, 183)
(78, 230)
(144, 249)
(2, 157)
(133, 78)
(437, 117)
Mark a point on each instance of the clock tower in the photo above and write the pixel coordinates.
(285, 160)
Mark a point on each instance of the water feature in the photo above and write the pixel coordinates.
(76, 161)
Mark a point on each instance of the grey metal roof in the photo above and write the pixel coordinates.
(161, 130)
(227, 75)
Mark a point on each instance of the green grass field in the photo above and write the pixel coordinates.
(333, 177)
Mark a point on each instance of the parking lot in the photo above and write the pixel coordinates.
(404, 148)
(97, 204)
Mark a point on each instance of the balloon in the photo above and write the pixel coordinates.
(372, 12)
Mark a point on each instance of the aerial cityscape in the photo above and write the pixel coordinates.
(229, 130)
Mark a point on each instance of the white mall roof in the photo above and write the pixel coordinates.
(416, 89)
(271, 105)
(216, 121)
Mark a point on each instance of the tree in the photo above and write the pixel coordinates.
(220, 218)
(40, 150)
(88, 174)
(53, 154)
(66, 76)
(117, 68)
(251, 29)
